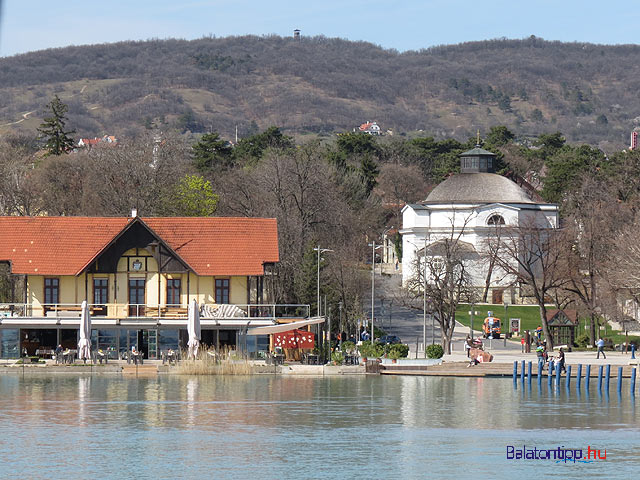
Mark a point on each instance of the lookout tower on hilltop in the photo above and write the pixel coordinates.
(296, 34)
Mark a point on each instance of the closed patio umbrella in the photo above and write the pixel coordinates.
(84, 345)
(193, 327)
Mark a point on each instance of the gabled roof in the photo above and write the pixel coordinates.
(210, 246)
(369, 125)
(221, 245)
(89, 141)
(562, 317)
(54, 245)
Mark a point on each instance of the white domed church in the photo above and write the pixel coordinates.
(469, 206)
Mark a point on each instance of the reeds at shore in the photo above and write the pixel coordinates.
(212, 362)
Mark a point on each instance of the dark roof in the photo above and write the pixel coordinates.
(476, 151)
(478, 188)
(559, 317)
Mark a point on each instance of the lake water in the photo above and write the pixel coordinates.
(264, 427)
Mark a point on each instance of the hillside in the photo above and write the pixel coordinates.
(322, 85)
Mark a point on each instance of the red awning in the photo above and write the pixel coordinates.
(294, 339)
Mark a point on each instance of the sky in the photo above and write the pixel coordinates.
(28, 25)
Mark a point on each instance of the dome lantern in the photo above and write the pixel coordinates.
(477, 160)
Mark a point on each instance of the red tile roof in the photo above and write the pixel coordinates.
(66, 245)
(220, 245)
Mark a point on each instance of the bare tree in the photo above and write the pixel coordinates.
(18, 192)
(442, 271)
(591, 239)
(533, 255)
(311, 203)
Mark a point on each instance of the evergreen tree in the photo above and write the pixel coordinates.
(53, 131)
(369, 171)
(250, 150)
(212, 152)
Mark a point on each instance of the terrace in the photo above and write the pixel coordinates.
(150, 315)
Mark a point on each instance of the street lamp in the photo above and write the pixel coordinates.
(373, 281)
(424, 299)
(320, 251)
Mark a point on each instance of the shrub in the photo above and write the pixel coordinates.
(398, 350)
(435, 351)
(348, 347)
(369, 350)
(337, 357)
(582, 340)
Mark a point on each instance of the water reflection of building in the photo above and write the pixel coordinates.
(138, 276)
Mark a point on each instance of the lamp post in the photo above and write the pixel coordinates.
(424, 298)
(318, 309)
(320, 251)
(373, 281)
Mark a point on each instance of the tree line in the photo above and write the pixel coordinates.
(325, 85)
(339, 193)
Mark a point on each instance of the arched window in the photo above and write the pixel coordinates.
(495, 220)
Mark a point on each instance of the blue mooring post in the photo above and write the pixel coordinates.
(587, 378)
(549, 373)
(568, 376)
(522, 373)
(633, 381)
(600, 378)
(579, 376)
(619, 380)
(558, 372)
(633, 351)
(515, 372)
(529, 373)
(607, 377)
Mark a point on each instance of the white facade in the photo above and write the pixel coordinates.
(467, 207)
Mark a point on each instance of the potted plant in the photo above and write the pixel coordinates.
(337, 358)
(397, 351)
(349, 347)
(394, 355)
(364, 349)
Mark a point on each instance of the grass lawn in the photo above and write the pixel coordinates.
(529, 315)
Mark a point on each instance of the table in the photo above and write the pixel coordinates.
(69, 356)
(311, 358)
(276, 359)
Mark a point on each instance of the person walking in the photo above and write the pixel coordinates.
(541, 359)
(467, 345)
(560, 361)
(600, 345)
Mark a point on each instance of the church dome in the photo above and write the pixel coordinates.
(478, 188)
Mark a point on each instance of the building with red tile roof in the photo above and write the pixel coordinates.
(372, 128)
(138, 275)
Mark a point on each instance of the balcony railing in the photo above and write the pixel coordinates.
(155, 311)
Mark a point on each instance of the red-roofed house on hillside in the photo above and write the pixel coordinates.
(371, 128)
(138, 276)
(92, 142)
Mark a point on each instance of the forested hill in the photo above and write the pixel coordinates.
(321, 85)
